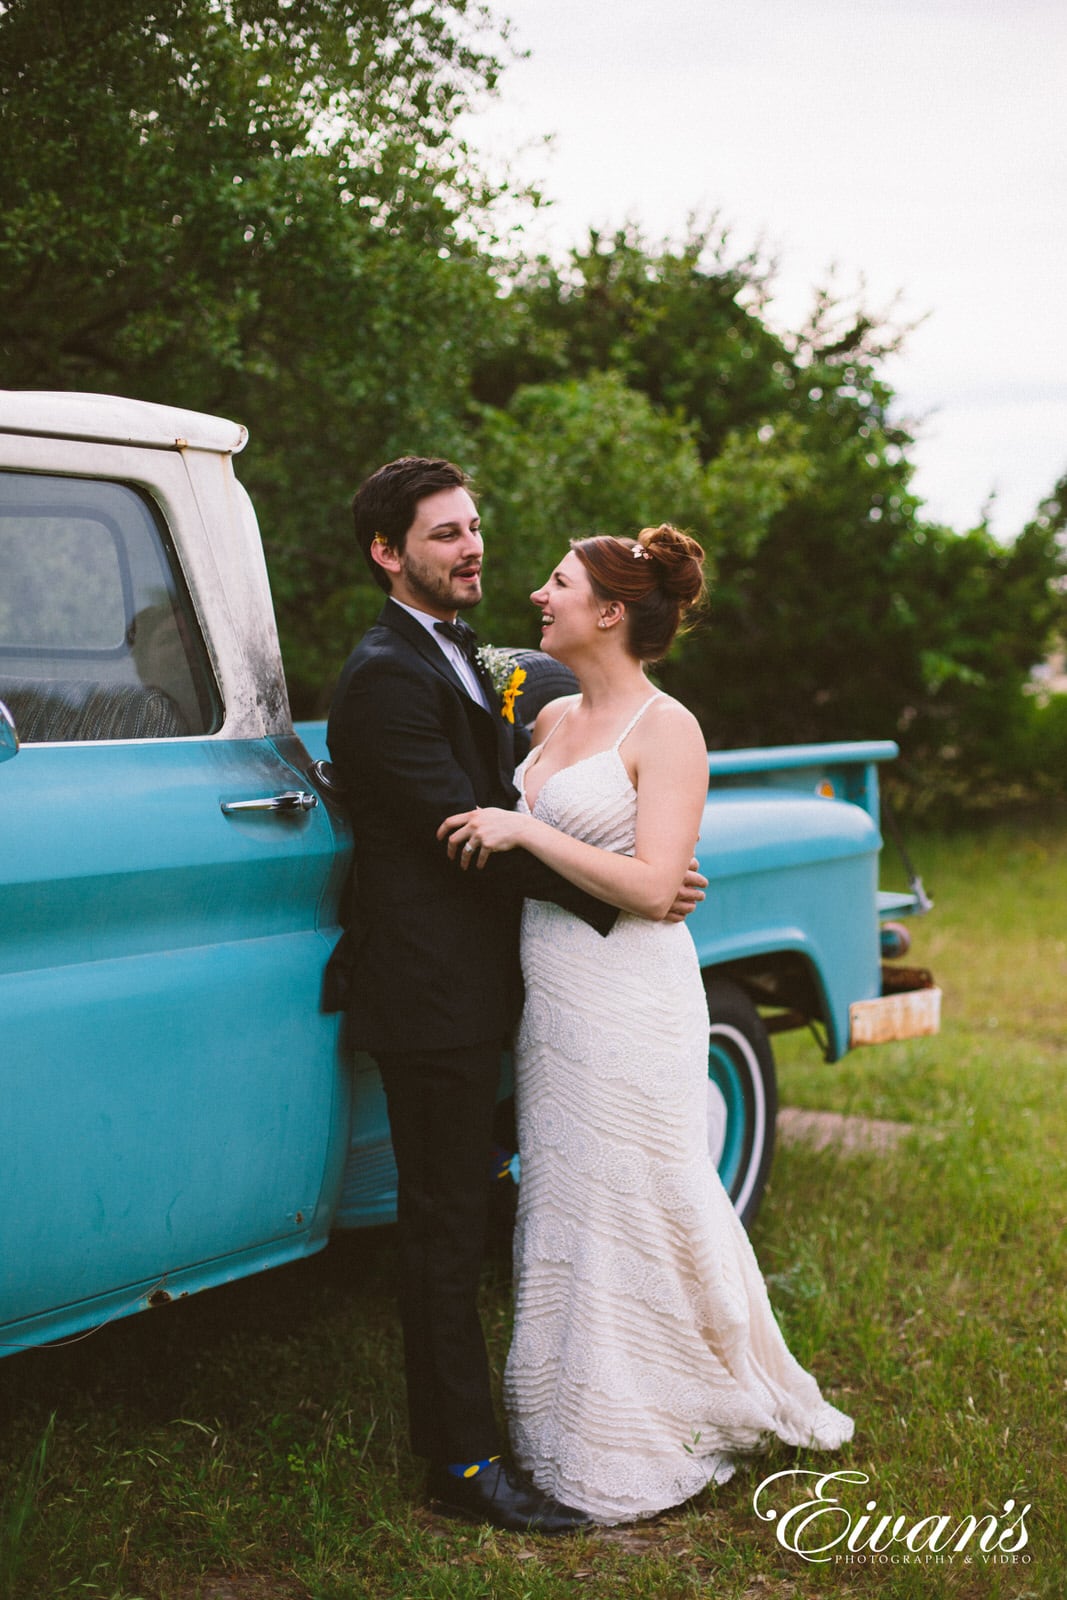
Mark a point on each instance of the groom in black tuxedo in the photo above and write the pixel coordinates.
(428, 969)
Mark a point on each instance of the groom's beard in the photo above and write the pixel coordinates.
(441, 590)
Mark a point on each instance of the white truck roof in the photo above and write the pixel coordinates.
(116, 420)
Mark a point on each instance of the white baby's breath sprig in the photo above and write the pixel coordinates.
(500, 664)
(506, 676)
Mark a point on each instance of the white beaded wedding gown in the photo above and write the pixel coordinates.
(645, 1355)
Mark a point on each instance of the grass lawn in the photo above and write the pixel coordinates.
(249, 1444)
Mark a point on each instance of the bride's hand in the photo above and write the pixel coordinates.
(476, 835)
(689, 895)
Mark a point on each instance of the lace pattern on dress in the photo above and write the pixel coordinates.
(646, 1356)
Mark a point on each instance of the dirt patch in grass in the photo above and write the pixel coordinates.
(250, 1586)
(821, 1130)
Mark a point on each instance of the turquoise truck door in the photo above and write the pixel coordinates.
(174, 1109)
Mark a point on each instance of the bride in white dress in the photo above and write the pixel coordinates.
(645, 1357)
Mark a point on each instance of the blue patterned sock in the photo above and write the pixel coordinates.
(505, 1164)
(470, 1469)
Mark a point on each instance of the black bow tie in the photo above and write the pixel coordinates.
(460, 633)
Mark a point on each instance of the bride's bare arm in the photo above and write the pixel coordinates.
(670, 769)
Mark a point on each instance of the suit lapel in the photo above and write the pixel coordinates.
(505, 742)
(396, 618)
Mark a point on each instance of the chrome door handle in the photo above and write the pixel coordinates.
(292, 800)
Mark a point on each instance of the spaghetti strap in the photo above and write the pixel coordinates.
(634, 720)
(564, 714)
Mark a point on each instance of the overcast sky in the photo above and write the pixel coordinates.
(920, 145)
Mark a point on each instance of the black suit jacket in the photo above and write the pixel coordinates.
(430, 955)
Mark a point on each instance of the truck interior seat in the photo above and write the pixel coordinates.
(49, 710)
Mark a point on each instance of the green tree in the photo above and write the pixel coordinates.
(681, 325)
(168, 171)
(565, 460)
(258, 208)
(986, 613)
(837, 611)
(805, 492)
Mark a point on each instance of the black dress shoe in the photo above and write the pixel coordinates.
(501, 1495)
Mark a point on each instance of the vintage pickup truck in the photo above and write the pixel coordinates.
(177, 1108)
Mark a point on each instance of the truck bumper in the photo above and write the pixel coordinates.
(908, 1007)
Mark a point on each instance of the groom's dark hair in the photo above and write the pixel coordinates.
(385, 504)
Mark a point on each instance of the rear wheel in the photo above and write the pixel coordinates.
(742, 1095)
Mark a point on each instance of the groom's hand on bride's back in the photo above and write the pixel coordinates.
(689, 895)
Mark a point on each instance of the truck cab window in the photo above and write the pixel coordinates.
(98, 639)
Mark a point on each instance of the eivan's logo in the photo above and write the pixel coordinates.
(821, 1528)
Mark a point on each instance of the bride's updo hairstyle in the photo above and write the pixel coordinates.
(659, 577)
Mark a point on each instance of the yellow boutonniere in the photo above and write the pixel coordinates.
(507, 679)
(511, 692)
